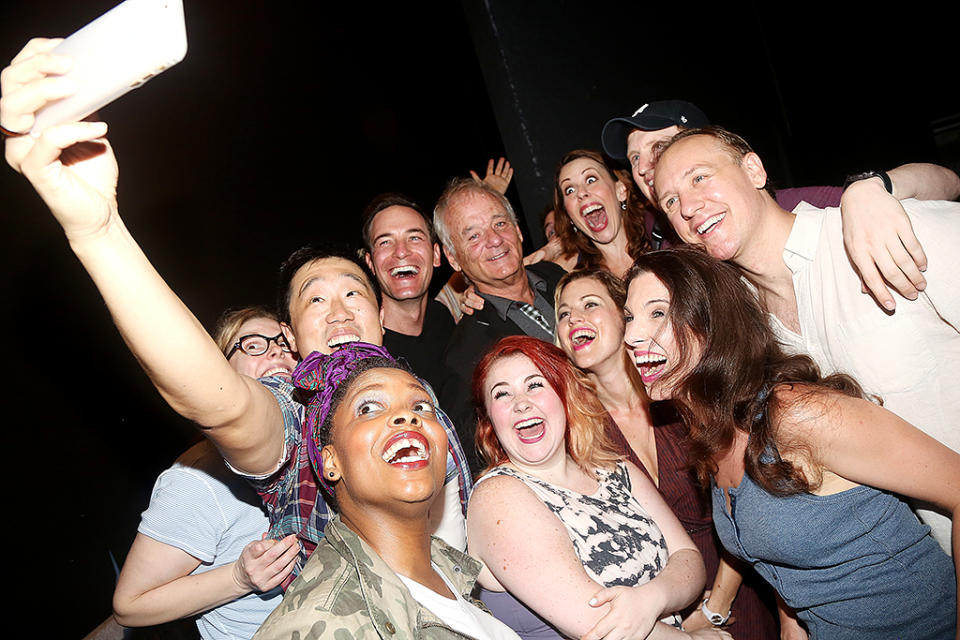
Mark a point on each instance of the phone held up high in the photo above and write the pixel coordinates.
(117, 52)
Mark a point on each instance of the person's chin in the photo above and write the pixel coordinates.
(422, 489)
(408, 293)
(505, 267)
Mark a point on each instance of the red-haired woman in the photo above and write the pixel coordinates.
(560, 520)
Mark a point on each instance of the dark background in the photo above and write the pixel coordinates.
(284, 120)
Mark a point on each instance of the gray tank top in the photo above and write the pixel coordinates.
(856, 564)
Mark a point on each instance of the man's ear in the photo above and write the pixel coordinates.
(331, 464)
(288, 336)
(753, 167)
(436, 254)
(451, 258)
(366, 257)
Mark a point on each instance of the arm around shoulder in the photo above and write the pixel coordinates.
(924, 181)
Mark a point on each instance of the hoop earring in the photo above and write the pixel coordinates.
(623, 205)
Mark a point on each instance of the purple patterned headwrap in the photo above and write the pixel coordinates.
(323, 373)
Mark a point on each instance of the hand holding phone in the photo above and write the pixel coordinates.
(117, 52)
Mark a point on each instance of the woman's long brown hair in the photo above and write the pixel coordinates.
(740, 365)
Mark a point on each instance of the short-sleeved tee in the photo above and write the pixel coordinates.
(212, 515)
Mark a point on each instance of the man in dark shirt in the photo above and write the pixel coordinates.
(402, 251)
(480, 237)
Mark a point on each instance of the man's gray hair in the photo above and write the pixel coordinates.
(456, 188)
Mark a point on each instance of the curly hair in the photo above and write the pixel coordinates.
(573, 240)
(741, 363)
(586, 441)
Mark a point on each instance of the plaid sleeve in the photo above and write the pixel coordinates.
(291, 493)
(457, 466)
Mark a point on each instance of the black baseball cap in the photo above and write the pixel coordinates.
(652, 116)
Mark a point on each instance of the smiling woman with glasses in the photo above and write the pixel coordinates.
(251, 339)
(254, 344)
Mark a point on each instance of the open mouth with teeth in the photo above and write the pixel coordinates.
(530, 430)
(339, 340)
(404, 272)
(595, 217)
(582, 337)
(276, 371)
(407, 450)
(710, 223)
(650, 365)
(499, 255)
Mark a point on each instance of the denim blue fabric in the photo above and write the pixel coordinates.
(856, 564)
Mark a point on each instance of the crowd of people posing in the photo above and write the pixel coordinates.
(681, 417)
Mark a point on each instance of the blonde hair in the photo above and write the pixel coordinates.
(229, 323)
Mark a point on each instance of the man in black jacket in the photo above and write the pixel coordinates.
(480, 237)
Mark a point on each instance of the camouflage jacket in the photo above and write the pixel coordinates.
(347, 591)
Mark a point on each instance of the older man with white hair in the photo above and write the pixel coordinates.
(481, 239)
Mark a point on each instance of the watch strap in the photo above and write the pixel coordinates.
(857, 177)
(713, 617)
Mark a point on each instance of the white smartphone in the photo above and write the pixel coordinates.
(117, 52)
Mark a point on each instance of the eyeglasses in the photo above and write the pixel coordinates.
(255, 344)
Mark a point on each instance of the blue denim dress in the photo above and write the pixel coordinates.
(857, 564)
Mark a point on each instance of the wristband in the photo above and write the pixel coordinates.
(713, 618)
(7, 133)
(857, 177)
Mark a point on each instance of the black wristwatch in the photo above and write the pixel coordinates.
(857, 177)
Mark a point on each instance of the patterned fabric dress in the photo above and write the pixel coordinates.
(615, 539)
(754, 606)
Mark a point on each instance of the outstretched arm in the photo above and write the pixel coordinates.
(74, 170)
(155, 585)
(877, 232)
